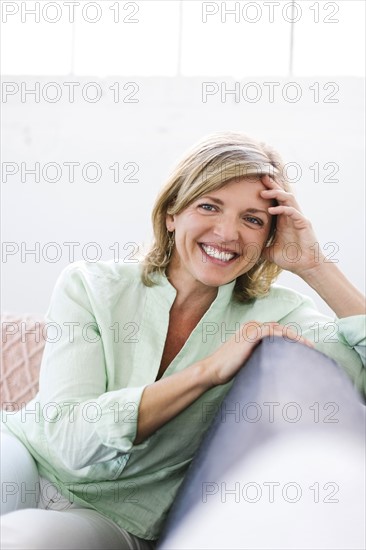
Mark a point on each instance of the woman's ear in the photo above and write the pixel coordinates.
(169, 222)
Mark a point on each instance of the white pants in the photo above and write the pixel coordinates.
(44, 519)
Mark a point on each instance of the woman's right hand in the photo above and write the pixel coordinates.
(226, 361)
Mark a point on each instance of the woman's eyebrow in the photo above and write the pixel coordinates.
(250, 210)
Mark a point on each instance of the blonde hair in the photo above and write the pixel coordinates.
(207, 166)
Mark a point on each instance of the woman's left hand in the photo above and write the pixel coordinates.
(295, 247)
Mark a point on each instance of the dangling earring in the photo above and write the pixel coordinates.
(171, 241)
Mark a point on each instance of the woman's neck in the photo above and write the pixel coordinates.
(191, 295)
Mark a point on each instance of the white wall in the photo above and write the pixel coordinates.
(167, 118)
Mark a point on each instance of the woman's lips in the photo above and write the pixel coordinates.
(217, 255)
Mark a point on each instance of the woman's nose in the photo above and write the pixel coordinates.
(227, 229)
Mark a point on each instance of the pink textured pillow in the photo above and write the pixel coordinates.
(22, 348)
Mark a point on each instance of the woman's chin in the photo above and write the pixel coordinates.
(215, 280)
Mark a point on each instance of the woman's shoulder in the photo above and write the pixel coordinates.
(278, 302)
(101, 273)
(279, 293)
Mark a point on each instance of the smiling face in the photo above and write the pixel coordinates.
(221, 235)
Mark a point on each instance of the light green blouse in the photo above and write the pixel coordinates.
(105, 339)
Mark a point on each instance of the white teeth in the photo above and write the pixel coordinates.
(214, 253)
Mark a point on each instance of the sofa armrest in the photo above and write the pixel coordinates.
(293, 419)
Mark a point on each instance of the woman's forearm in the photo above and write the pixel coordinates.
(336, 290)
(164, 399)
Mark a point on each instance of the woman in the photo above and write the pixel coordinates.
(143, 348)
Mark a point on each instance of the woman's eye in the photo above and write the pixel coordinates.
(256, 221)
(207, 207)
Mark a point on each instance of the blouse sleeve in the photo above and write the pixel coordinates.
(344, 340)
(83, 422)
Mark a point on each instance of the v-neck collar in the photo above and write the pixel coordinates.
(154, 325)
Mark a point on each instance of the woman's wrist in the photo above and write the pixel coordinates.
(203, 369)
